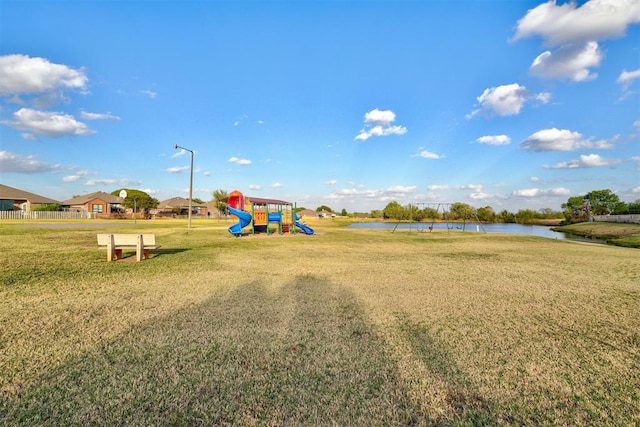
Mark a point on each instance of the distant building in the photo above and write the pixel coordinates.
(325, 214)
(98, 204)
(14, 199)
(179, 206)
(307, 213)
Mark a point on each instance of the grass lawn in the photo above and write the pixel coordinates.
(619, 234)
(346, 327)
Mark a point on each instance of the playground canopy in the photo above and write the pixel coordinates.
(258, 212)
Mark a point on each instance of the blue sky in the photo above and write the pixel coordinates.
(508, 104)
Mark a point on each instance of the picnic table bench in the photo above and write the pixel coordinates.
(115, 243)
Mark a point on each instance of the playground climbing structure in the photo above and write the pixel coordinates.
(260, 213)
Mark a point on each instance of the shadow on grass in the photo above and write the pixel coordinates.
(468, 406)
(130, 254)
(302, 354)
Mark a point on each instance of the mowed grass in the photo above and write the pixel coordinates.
(620, 234)
(346, 327)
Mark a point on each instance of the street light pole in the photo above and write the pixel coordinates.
(176, 146)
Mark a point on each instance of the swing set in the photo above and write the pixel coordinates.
(438, 210)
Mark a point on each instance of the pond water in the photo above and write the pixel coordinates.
(529, 230)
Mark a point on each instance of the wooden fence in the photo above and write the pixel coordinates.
(635, 218)
(44, 215)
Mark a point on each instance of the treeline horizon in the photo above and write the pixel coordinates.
(576, 209)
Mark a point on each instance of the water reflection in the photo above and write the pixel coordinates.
(529, 230)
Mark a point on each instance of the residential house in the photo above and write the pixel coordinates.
(99, 204)
(14, 199)
(307, 213)
(325, 214)
(179, 206)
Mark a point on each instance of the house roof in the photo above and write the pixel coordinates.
(261, 201)
(212, 206)
(176, 202)
(81, 200)
(307, 212)
(10, 193)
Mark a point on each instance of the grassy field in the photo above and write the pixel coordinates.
(346, 327)
(620, 234)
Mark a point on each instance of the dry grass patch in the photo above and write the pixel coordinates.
(350, 326)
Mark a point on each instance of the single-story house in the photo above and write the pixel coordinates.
(179, 206)
(98, 203)
(307, 213)
(14, 199)
(213, 210)
(325, 214)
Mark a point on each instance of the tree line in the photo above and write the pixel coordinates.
(597, 202)
(464, 212)
(576, 209)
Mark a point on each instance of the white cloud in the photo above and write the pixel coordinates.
(506, 100)
(240, 119)
(21, 74)
(16, 163)
(151, 191)
(534, 179)
(47, 123)
(379, 123)
(239, 162)
(474, 187)
(255, 187)
(349, 192)
(177, 169)
(428, 155)
(401, 189)
(76, 177)
(560, 140)
(626, 78)
(149, 93)
(636, 190)
(123, 182)
(380, 117)
(568, 62)
(479, 195)
(494, 140)
(97, 116)
(570, 23)
(586, 161)
(543, 97)
(575, 30)
(93, 182)
(436, 187)
(537, 192)
(331, 182)
(391, 193)
(276, 185)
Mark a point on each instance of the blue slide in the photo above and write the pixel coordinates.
(305, 228)
(245, 219)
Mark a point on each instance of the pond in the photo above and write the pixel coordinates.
(529, 230)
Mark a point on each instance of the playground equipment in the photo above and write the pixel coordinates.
(442, 213)
(259, 213)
